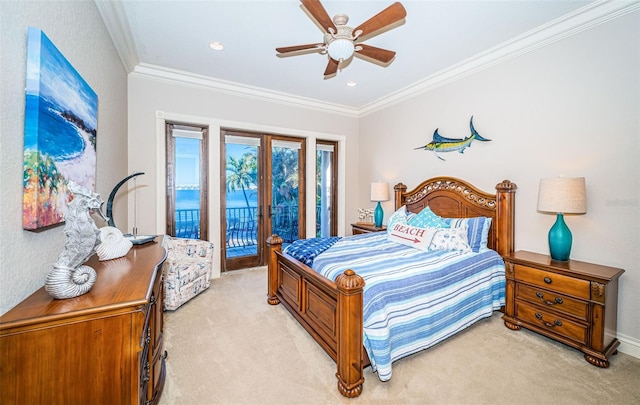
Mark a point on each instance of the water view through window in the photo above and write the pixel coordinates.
(245, 205)
(187, 187)
(241, 203)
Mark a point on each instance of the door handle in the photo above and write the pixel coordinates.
(270, 212)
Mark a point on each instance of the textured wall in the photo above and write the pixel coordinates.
(76, 29)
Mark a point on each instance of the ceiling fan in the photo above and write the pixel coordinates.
(341, 42)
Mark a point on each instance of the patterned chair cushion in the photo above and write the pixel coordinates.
(187, 270)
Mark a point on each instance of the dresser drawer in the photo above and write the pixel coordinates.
(553, 322)
(552, 281)
(553, 300)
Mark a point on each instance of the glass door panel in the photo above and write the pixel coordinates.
(241, 208)
(286, 208)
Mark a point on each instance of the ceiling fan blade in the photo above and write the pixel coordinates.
(320, 14)
(388, 16)
(378, 54)
(332, 67)
(288, 49)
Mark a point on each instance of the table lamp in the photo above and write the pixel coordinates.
(562, 195)
(379, 192)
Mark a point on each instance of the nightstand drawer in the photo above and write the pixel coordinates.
(552, 322)
(572, 302)
(552, 300)
(552, 281)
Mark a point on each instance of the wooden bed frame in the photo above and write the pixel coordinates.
(332, 311)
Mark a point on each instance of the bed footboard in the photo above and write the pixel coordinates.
(330, 312)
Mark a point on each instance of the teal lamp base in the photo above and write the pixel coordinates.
(560, 240)
(378, 215)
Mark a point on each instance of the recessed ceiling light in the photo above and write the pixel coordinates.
(351, 83)
(216, 46)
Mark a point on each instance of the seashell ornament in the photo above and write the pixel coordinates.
(113, 244)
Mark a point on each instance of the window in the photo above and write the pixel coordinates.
(326, 188)
(187, 181)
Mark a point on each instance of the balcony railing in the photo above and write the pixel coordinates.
(188, 224)
(242, 226)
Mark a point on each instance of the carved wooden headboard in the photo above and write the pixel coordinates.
(454, 198)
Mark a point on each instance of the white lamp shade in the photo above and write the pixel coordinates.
(341, 49)
(565, 195)
(379, 192)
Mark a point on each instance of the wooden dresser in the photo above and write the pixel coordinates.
(103, 347)
(573, 302)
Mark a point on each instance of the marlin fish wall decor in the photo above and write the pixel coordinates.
(442, 144)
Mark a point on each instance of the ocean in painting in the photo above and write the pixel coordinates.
(55, 135)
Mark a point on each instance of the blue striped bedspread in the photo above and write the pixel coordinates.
(414, 299)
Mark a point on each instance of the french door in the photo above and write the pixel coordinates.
(262, 192)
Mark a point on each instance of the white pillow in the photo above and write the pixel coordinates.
(399, 217)
(419, 238)
(450, 239)
(477, 230)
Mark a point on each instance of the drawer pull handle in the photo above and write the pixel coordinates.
(547, 280)
(556, 322)
(557, 300)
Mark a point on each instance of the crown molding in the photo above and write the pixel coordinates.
(579, 20)
(115, 19)
(174, 76)
(584, 18)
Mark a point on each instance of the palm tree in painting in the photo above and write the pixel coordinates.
(241, 174)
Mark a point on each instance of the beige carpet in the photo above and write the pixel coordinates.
(228, 346)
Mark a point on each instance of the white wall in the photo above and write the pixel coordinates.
(79, 33)
(153, 100)
(571, 108)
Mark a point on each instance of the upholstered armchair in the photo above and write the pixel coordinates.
(187, 270)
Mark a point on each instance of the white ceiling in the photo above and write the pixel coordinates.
(438, 41)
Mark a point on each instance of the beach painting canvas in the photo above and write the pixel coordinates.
(61, 114)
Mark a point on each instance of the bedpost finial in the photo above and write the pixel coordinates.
(506, 185)
(349, 281)
(400, 187)
(274, 240)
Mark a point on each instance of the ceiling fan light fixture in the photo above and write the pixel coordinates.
(341, 42)
(340, 49)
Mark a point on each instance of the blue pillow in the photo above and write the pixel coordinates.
(477, 230)
(427, 218)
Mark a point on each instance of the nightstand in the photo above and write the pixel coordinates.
(359, 228)
(575, 303)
